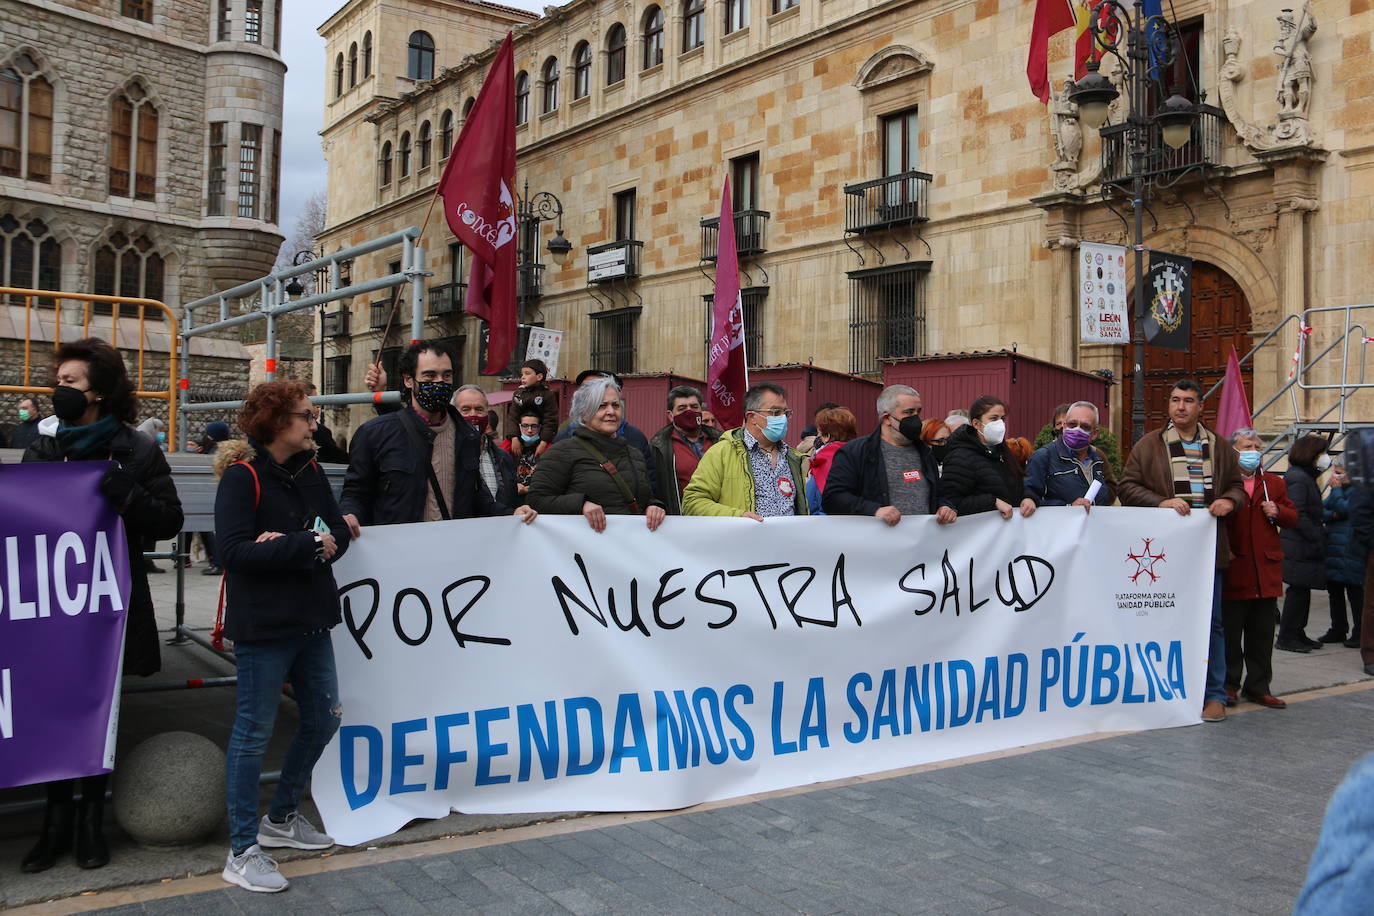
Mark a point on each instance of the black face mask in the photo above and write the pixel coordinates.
(939, 452)
(433, 397)
(910, 428)
(68, 403)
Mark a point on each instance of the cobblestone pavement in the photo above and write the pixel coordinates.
(1208, 819)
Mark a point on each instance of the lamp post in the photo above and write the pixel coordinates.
(530, 212)
(294, 288)
(1149, 42)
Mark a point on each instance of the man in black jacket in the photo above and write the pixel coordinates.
(420, 463)
(326, 449)
(495, 464)
(678, 446)
(891, 472)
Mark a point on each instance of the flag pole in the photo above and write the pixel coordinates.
(396, 292)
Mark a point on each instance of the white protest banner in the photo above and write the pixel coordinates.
(1102, 294)
(488, 666)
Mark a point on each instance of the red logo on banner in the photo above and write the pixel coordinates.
(1145, 562)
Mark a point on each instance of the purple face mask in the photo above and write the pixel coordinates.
(1076, 438)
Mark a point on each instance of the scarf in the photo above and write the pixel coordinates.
(80, 442)
(1178, 465)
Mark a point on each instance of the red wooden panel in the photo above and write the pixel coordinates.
(646, 398)
(808, 387)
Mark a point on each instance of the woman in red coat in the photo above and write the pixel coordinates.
(1254, 580)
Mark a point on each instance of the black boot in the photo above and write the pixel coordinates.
(91, 849)
(56, 837)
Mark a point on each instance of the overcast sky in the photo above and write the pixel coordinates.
(303, 171)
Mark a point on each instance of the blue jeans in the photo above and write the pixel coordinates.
(308, 663)
(1216, 650)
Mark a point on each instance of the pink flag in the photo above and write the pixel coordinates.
(478, 188)
(1233, 412)
(726, 375)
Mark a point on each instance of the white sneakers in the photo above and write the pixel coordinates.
(296, 832)
(255, 870)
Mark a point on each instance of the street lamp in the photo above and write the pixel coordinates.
(294, 287)
(533, 210)
(1149, 50)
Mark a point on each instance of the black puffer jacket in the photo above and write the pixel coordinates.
(1304, 547)
(276, 589)
(569, 476)
(151, 512)
(974, 476)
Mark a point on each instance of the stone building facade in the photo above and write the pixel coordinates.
(140, 145)
(898, 188)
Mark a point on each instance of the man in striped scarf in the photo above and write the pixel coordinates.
(1183, 467)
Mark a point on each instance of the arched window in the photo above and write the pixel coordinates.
(736, 15)
(26, 100)
(522, 98)
(128, 267)
(582, 71)
(367, 55)
(615, 54)
(653, 37)
(467, 107)
(693, 24)
(352, 65)
(422, 143)
(550, 76)
(403, 157)
(133, 145)
(338, 76)
(420, 63)
(445, 134)
(384, 165)
(30, 258)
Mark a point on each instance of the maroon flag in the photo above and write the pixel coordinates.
(1233, 412)
(478, 189)
(726, 375)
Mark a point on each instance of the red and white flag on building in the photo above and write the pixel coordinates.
(726, 376)
(478, 188)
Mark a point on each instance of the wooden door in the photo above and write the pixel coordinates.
(1220, 320)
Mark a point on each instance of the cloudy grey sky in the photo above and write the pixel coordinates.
(303, 171)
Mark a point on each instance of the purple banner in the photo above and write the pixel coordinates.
(64, 593)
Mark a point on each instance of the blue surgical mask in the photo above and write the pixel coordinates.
(529, 440)
(1249, 461)
(775, 428)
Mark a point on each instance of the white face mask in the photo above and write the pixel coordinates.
(1323, 461)
(994, 432)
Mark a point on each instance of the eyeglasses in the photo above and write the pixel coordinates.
(307, 415)
(529, 426)
(940, 441)
(1074, 424)
(775, 412)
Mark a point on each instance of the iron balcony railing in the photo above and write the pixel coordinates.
(618, 260)
(529, 281)
(447, 299)
(897, 200)
(335, 324)
(749, 234)
(378, 313)
(1202, 150)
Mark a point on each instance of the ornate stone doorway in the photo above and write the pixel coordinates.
(1220, 320)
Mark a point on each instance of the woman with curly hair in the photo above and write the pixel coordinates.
(278, 531)
(94, 404)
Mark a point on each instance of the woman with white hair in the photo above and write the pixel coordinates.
(594, 472)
